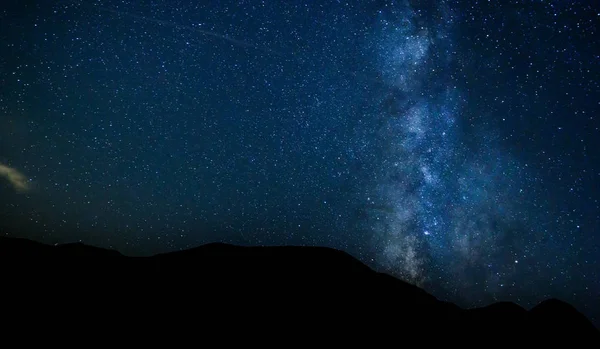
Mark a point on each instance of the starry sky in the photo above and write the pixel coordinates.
(453, 144)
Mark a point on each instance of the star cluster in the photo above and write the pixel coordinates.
(450, 143)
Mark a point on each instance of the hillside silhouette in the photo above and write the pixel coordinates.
(294, 292)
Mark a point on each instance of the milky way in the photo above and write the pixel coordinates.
(442, 200)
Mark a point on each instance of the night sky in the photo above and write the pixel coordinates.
(452, 144)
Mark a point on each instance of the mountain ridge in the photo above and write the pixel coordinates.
(287, 282)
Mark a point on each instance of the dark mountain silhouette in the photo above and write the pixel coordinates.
(293, 293)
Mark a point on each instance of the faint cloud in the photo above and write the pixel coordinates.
(16, 178)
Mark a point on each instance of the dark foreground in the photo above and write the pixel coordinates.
(282, 295)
